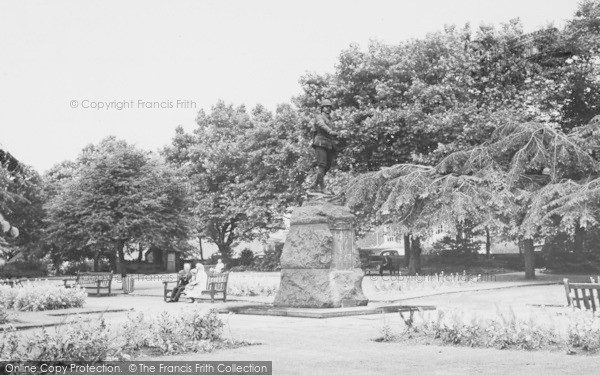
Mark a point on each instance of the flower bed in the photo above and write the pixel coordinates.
(191, 331)
(40, 295)
(577, 331)
(253, 284)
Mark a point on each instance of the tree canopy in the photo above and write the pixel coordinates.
(115, 194)
(422, 99)
(244, 169)
(529, 178)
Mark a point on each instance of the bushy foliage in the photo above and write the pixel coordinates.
(573, 254)
(248, 285)
(245, 170)
(10, 345)
(271, 261)
(113, 195)
(169, 334)
(25, 269)
(80, 340)
(40, 295)
(503, 331)
(246, 257)
(584, 333)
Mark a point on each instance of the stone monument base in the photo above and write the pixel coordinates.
(320, 264)
(320, 288)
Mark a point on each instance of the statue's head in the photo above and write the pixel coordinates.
(326, 105)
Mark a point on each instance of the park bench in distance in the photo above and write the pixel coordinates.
(95, 283)
(12, 282)
(583, 295)
(215, 283)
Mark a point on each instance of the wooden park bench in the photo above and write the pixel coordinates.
(12, 282)
(95, 283)
(215, 283)
(583, 295)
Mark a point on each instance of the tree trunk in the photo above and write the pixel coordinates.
(201, 252)
(120, 244)
(488, 242)
(414, 265)
(406, 250)
(97, 262)
(529, 257)
(579, 239)
(112, 258)
(225, 251)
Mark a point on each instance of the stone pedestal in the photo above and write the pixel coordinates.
(319, 265)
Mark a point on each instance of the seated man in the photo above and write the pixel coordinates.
(183, 278)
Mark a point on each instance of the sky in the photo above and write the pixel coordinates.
(73, 73)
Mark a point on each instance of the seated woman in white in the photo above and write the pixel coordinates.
(194, 289)
(219, 266)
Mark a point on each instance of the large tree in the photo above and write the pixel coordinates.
(115, 195)
(530, 179)
(20, 205)
(245, 170)
(422, 99)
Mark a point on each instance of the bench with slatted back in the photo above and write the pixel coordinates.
(583, 295)
(216, 283)
(95, 283)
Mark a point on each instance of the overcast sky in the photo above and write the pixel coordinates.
(59, 59)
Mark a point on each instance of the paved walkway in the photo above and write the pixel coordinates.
(345, 345)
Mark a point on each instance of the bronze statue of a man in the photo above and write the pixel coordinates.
(323, 144)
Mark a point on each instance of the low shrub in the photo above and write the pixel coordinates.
(250, 286)
(584, 332)
(246, 257)
(191, 331)
(3, 316)
(249, 268)
(24, 269)
(504, 331)
(71, 268)
(78, 341)
(10, 345)
(40, 295)
(528, 334)
(271, 261)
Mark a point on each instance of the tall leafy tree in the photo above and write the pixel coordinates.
(116, 195)
(21, 211)
(244, 168)
(422, 99)
(530, 179)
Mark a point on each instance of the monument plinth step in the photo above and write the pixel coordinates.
(316, 313)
